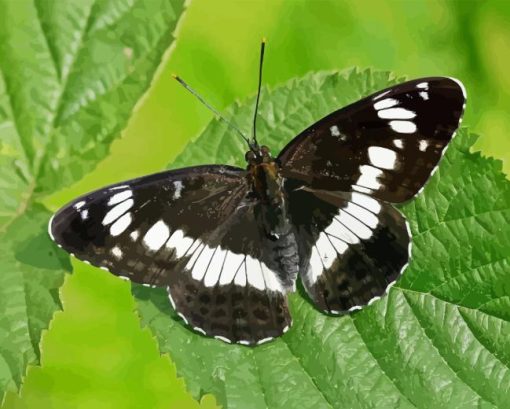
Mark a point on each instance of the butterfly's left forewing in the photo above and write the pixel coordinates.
(385, 145)
(189, 231)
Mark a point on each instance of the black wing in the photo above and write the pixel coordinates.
(386, 145)
(193, 232)
(342, 169)
(351, 246)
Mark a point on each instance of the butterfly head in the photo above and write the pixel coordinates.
(264, 175)
(258, 155)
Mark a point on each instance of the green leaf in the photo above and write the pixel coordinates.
(31, 273)
(96, 342)
(71, 73)
(440, 338)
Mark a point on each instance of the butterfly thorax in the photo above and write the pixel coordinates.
(266, 184)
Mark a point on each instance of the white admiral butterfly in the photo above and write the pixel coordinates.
(228, 243)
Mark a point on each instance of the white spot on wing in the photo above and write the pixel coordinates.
(315, 268)
(117, 252)
(354, 225)
(230, 267)
(362, 214)
(50, 233)
(403, 126)
(200, 267)
(196, 252)
(134, 235)
(212, 275)
(399, 143)
(119, 187)
(424, 95)
(84, 214)
(117, 211)
(396, 113)
(120, 197)
(180, 243)
(240, 278)
(170, 297)
(423, 85)
(374, 299)
(361, 189)
(193, 247)
(120, 225)
(367, 202)
(339, 245)
(178, 188)
(254, 273)
(334, 130)
(271, 280)
(156, 236)
(385, 103)
(422, 145)
(368, 177)
(182, 317)
(326, 250)
(228, 341)
(79, 204)
(382, 157)
(264, 340)
(382, 94)
(338, 230)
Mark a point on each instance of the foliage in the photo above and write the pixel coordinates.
(71, 73)
(440, 338)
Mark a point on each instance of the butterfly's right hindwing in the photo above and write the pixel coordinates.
(191, 232)
(352, 247)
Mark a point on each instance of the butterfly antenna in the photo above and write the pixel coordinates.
(214, 111)
(262, 48)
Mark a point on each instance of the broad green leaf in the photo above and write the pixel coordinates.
(440, 338)
(97, 343)
(71, 73)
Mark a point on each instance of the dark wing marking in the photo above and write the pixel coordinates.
(193, 232)
(386, 145)
(352, 247)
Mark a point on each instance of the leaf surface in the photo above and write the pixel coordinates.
(438, 339)
(71, 73)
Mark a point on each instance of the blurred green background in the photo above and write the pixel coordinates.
(217, 53)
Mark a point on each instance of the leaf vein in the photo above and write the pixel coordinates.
(443, 358)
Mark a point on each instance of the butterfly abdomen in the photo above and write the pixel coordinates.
(271, 211)
(284, 259)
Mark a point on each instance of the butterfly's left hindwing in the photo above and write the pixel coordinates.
(191, 232)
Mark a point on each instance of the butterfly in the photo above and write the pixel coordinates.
(228, 244)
